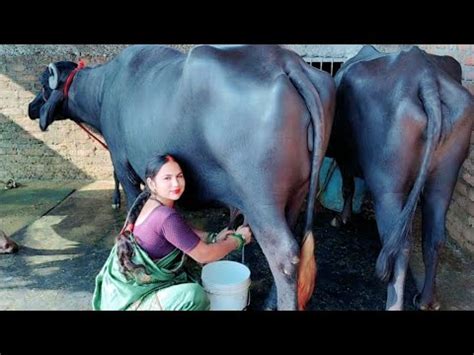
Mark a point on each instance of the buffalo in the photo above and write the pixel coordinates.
(403, 123)
(249, 124)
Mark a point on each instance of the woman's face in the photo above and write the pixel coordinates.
(169, 183)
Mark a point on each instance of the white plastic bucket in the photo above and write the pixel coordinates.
(227, 284)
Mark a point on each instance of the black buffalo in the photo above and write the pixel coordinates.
(250, 125)
(403, 123)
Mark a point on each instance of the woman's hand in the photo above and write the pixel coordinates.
(223, 234)
(246, 233)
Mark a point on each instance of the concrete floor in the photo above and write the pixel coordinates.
(66, 230)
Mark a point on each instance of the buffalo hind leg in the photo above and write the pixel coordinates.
(436, 197)
(294, 206)
(388, 208)
(282, 253)
(292, 212)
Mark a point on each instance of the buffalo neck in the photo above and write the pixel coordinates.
(84, 98)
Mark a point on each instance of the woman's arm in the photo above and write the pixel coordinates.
(204, 236)
(226, 242)
(201, 234)
(205, 253)
(182, 236)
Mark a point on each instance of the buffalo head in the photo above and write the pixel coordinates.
(48, 104)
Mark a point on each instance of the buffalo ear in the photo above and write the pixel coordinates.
(48, 109)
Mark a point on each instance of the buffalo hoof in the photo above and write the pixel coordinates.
(336, 222)
(345, 220)
(271, 303)
(434, 306)
(7, 246)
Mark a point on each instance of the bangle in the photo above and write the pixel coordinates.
(239, 238)
(211, 238)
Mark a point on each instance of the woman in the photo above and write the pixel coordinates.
(147, 267)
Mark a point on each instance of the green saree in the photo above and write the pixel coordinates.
(170, 283)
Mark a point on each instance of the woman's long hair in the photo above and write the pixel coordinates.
(123, 240)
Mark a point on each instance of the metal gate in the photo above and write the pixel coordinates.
(324, 63)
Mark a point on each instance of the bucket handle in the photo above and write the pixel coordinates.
(248, 299)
